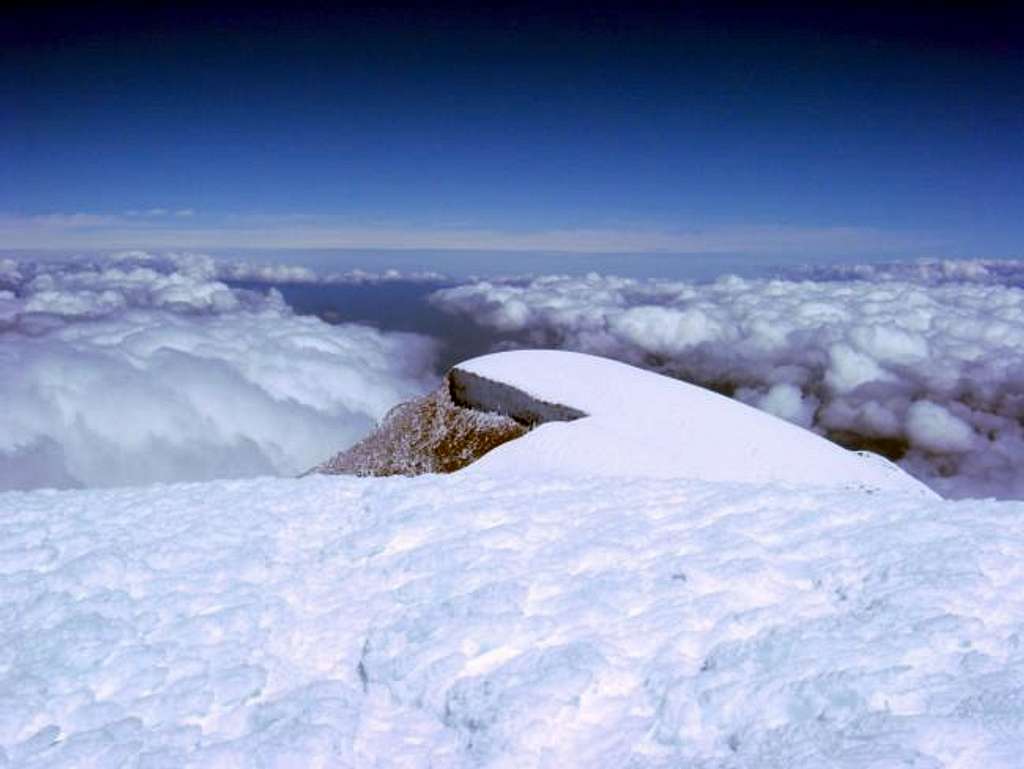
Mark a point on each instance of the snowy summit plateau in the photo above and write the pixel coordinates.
(635, 573)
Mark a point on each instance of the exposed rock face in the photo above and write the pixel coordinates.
(447, 429)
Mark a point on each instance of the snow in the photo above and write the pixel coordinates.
(488, 620)
(644, 424)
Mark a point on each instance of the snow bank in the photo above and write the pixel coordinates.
(640, 424)
(474, 620)
(135, 368)
(850, 358)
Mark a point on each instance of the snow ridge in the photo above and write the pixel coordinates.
(639, 423)
(546, 410)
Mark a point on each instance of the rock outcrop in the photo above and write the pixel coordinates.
(447, 429)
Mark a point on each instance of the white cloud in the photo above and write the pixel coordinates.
(910, 357)
(1008, 272)
(933, 428)
(785, 401)
(137, 369)
(292, 273)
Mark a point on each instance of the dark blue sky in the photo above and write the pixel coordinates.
(857, 132)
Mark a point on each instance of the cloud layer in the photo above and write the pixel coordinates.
(924, 363)
(293, 273)
(162, 228)
(136, 369)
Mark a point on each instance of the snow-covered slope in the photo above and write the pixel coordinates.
(643, 424)
(493, 620)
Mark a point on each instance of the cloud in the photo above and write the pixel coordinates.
(158, 228)
(1005, 272)
(924, 362)
(291, 273)
(135, 368)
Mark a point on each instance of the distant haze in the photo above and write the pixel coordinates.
(859, 132)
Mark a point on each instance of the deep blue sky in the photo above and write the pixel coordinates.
(862, 133)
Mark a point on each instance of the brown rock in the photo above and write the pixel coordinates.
(447, 429)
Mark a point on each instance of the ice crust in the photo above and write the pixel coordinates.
(475, 620)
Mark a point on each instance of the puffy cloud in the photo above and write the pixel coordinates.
(924, 362)
(9, 272)
(933, 428)
(135, 368)
(785, 401)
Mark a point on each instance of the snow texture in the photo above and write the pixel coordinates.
(476, 620)
(925, 361)
(638, 423)
(135, 368)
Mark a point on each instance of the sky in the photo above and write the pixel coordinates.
(859, 133)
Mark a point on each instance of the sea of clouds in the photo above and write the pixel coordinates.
(135, 368)
(923, 362)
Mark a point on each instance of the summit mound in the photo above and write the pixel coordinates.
(530, 412)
